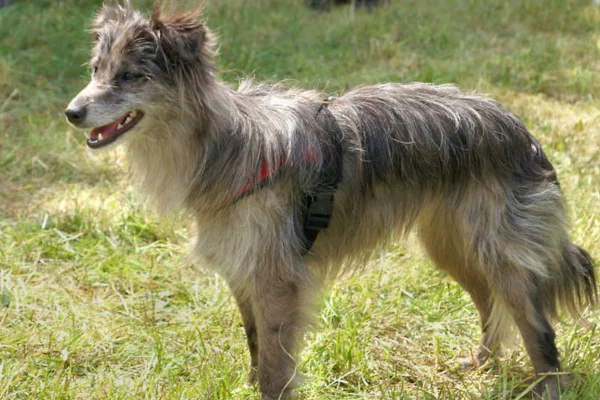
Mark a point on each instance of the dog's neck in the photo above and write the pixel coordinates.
(202, 156)
(169, 161)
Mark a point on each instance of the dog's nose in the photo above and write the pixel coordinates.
(75, 114)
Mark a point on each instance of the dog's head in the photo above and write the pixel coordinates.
(137, 64)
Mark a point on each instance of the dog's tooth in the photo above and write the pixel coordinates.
(100, 137)
(119, 126)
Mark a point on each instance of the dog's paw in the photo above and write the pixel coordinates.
(551, 387)
(482, 358)
(467, 363)
(252, 378)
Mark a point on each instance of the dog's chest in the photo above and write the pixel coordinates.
(237, 239)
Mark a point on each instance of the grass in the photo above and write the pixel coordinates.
(96, 300)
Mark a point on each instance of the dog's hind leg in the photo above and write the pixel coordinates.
(526, 304)
(525, 252)
(447, 250)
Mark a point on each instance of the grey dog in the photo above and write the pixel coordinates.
(456, 167)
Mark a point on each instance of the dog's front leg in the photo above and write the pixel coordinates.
(244, 303)
(279, 306)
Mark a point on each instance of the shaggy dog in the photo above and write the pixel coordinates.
(456, 167)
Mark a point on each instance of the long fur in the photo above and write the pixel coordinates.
(457, 167)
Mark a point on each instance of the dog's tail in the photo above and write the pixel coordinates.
(576, 287)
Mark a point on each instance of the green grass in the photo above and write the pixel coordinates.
(96, 300)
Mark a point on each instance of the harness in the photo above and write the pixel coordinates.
(317, 205)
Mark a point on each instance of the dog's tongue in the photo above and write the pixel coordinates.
(107, 131)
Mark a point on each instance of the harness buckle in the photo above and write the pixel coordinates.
(319, 209)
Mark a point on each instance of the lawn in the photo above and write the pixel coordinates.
(96, 298)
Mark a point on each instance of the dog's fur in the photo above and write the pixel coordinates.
(457, 167)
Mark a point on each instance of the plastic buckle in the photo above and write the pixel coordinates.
(320, 209)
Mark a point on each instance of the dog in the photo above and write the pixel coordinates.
(457, 168)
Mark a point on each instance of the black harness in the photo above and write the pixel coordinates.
(318, 205)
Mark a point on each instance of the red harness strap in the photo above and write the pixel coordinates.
(265, 173)
(254, 181)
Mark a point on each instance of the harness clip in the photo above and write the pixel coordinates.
(319, 209)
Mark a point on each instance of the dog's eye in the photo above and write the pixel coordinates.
(94, 69)
(129, 77)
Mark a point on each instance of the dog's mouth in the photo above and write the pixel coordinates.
(107, 134)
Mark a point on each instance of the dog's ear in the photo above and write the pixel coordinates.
(111, 11)
(183, 35)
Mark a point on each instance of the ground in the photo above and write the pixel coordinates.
(96, 299)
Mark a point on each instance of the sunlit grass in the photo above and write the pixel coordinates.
(96, 299)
